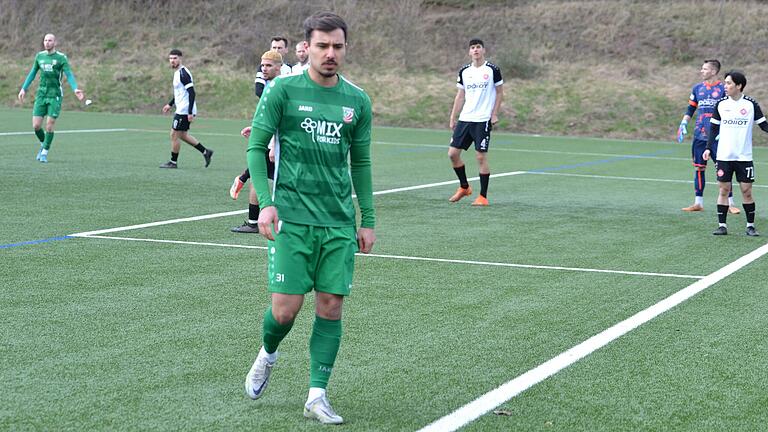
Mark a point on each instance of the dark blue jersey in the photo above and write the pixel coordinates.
(703, 98)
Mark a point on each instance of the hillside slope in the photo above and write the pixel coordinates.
(598, 68)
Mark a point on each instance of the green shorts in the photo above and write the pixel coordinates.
(50, 107)
(304, 257)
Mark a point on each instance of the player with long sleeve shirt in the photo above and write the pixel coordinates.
(702, 100)
(733, 120)
(320, 121)
(186, 110)
(52, 65)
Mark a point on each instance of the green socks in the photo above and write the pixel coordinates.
(323, 347)
(273, 332)
(40, 135)
(48, 140)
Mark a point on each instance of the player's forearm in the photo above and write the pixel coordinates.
(172, 101)
(497, 103)
(360, 171)
(70, 78)
(714, 131)
(764, 126)
(30, 78)
(689, 112)
(457, 103)
(191, 92)
(257, 165)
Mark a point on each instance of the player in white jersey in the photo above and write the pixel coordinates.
(186, 110)
(479, 97)
(280, 44)
(302, 56)
(733, 120)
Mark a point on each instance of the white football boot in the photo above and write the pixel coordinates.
(320, 409)
(258, 377)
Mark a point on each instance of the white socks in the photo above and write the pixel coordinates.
(314, 393)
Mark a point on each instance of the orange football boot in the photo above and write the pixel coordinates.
(460, 193)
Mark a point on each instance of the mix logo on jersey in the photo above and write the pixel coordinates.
(322, 131)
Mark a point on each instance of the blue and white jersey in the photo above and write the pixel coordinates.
(479, 85)
(704, 97)
(182, 80)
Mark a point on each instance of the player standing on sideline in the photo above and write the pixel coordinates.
(51, 65)
(270, 68)
(186, 110)
(479, 98)
(320, 120)
(704, 96)
(733, 120)
(302, 57)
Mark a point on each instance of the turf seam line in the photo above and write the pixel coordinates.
(66, 131)
(483, 404)
(625, 178)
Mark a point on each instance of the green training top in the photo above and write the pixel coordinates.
(51, 66)
(316, 130)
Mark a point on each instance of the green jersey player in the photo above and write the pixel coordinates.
(320, 120)
(51, 64)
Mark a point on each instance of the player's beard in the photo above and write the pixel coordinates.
(325, 72)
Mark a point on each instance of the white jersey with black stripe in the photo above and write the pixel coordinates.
(182, 80)
(736, 119)
(479, 85)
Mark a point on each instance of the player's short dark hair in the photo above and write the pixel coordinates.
(280, 38)
(476, 42)
(738, 78)
(176, 52)
(325, 22)
(715, 63)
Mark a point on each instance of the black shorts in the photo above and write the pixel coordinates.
(466, 132)
(745, 171)
(180, 122)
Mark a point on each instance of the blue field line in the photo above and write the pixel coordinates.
(34, 242)
(601, 161)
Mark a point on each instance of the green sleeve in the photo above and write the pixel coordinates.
(360, 168)
(31, 75)
(269, 113)
(70, 76)
(257, 165)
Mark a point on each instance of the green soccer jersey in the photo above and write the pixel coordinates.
(317, 129)
(51, 67)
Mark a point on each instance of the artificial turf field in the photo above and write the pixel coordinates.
(104, 333)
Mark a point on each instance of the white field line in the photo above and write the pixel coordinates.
(510, 389)
(625, 178)
(236, 212)
(556, 152)
(512, 149)
(30, 132)
(159, 223)
(410, 258)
